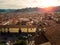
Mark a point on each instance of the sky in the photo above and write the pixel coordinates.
(18, 4)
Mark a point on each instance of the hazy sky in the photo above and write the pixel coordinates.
(27, 3)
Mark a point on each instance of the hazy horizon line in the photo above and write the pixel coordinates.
(28, 7)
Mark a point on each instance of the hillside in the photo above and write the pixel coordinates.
(49, 9)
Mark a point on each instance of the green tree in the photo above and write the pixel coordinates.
(21, 42)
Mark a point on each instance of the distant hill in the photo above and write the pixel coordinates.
(7, 10)
(19, 10)
(53, 9)
(50, 9)
(26, 10)
(57, 9)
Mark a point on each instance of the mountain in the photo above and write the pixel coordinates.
(7, 10)
(26, 10)
(57, 9)
(49, 9)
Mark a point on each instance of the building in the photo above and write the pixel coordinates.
(16, 28)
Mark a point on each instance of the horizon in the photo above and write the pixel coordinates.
(30, 7)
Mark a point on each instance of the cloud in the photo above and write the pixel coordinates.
(21, 3)
(16, 3)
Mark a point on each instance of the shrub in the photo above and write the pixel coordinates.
(21, 42)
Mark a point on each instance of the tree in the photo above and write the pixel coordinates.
(21, 42)
(19, 30)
